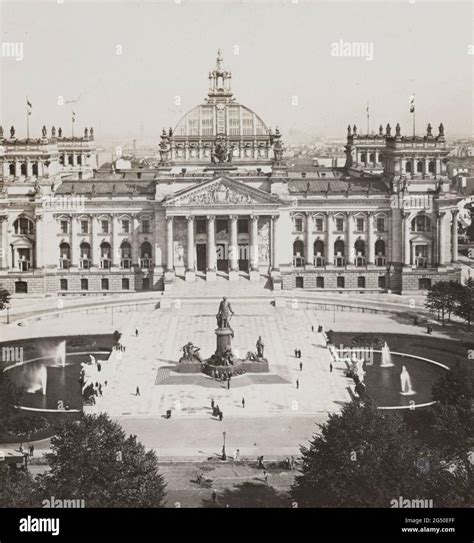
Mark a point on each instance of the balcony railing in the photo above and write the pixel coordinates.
(319, 261)
(359, 260)
(380, 260)
(105, 263)
(145, 263)
(24, 265)
(421, 262)
(64, 263)
(339, 261)
(126, 263)
(84, 263)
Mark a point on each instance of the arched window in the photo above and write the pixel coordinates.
(372, 157)
(145, 255)
(359, 247)
(79, 160)
(431, 166)
(380, 247)
(419, 166)
(64, 256)
(11, 168)
(23, 226)
(339, 247)
(23, 168)
(421, 223)
(105, 250)
(126, 250)
(35, 168)
(408, 167)
(85, 250)
(319, 248)
(70, 160)
(363, 157)
(298, 248)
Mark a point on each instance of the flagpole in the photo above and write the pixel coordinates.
(27, 120)
(72, 122)
(368, 117)
(414, 133)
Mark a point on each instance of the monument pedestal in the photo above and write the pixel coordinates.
(223, 339)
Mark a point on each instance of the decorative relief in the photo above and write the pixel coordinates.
(216, 194)
(263, 241)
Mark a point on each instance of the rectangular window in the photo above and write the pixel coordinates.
(340, 282)
(105, 284)
(381, 225)
(222, 226)
(125, 227)
(125, 284)
(84, 284)
(84, 227)
(360, 225)
(319, 282)
(319, 225)
(63, 284)
(243, 226)
(339, 224)
(105, 227)
(361, 282)
(64, 227)
(145, 226)
(299, 282)
(298, 225)
(424, 284)
(201, 226)
(382, 281)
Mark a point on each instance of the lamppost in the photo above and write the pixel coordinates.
(8, 312)
(224, 456)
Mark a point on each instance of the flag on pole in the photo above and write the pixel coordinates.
(29, 106)
(412, 103)
(367, 109)
(73, 117)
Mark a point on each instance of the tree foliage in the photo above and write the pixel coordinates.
(4, 298)
(451, 297)
(94, 460)
(365, 457)
(16, 487)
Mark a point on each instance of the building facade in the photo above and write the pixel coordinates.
(224, 202)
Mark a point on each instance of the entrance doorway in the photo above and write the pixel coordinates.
(222, 260)
(201, 253)
(244, 258)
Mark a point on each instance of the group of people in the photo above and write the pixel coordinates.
(119, 347)
(31, 450)
(216, 411)
(297, 353)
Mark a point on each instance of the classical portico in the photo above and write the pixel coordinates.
(226, 228)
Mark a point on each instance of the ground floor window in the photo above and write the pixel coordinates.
(361, 282)
(84, 284)
(382, 281)
(125, 283)
(21, 287)
(319, 282)
(63, 284)
(299, 282)
(424, 283)
(146, 283)
(340, 282)
(105, 284)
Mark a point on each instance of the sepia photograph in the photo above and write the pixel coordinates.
(236, 268)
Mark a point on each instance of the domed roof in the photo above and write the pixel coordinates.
(210, 119)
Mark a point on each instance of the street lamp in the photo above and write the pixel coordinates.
(224, 456)
(8, 312)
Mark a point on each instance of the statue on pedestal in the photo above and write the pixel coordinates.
(190, 353)
(260, 346)
(224, 315)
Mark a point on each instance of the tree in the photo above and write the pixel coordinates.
(455, 388)
(4, 298)
(93, 459)
(443, 297)
(16, 487)
(9, 397)
(465, 307)
(365, 457)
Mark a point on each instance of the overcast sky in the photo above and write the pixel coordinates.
(284, 51)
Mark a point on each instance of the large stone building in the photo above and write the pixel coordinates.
(224, 202)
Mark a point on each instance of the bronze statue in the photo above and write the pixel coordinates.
(53, 132)
(190, 352)
(260, 347)
(225, 314)
(44, 132)
(12, 132)
(441, 129)
(60, 132)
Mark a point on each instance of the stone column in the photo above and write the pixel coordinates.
(95, 240)
(454, 236)
(116, 241)
(38, 263)
(17, 168)
(169, 245)
(350, 251)
(135, 248)
(211, 248)
(190, 274)
(406, 239)
(274, 241)
(4, 245)
(28, 168)
(254, 271)
(234, 249)
(74, 240)
(308, 246)
(329, 239)
(441, 238)
(370, 239)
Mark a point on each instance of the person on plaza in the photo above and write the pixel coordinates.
(297, 383)
(312, 328)
(299, 353)
(20, 448)
(228, 384)
(105, 383)
(212, 403)
(137, 392)
(221, 415)
(296, 353)
(32, 450)
(237, 455)
(265, 476)
(243, 403)
(330, 367)
(214, 496)
(136, 332)
(301, 366)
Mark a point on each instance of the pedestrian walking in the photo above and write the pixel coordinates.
(296, 353)
(237, 455)
(299, 353)
(228, 384)
(212, 403)
(297, 384)
(221, 415)
(330, 367)
(137, 393)
(105, 383)
(301, 366)
(20, 448)
(243, 402)
(136, 332)
(32, 450)
(214, 496)
(312, 328)
(265, 476)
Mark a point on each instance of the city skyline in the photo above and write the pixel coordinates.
(130, 82)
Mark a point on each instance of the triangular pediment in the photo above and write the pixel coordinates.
(221, 192)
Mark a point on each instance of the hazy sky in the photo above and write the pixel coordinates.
(284, 50)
